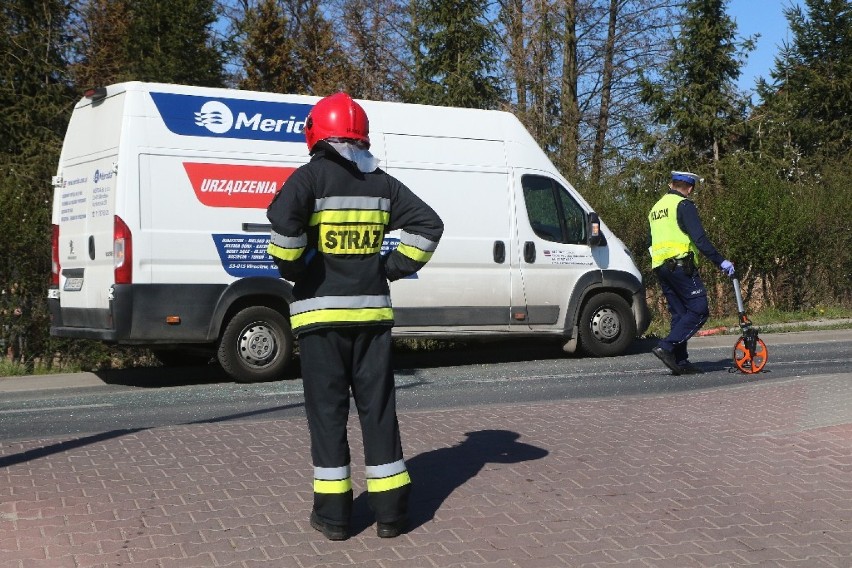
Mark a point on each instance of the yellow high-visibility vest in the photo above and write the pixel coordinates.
(667, 238)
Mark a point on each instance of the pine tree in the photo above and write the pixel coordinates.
(454, 54)
(267, 50)
(172, 42)
(147, 40)
(808, 107)
(102, 40)
(694, 100)
(324, 66)
(290, 47)
(35, 98)
(374, 46)
(804, 142)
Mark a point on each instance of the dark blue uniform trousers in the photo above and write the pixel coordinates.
(334, 363)
(687, 301)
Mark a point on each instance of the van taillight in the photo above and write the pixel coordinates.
(54, 257)
(95, 94)
(122, 252)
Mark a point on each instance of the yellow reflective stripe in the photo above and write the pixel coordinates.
(351, 239)
(414, 253)
(284, 253)
(341, 315)
(666, 250)
(388, 483)
(332, 486)
(350, 216)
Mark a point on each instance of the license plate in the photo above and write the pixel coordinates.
(73, 284)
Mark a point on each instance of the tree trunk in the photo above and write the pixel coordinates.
(606, 94)
(513, 17)
(570, 120)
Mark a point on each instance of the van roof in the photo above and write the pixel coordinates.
(388, 117)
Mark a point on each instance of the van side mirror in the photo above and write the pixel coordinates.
(596, 237)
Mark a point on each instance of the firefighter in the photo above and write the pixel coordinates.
(328, 226)
(677, 236)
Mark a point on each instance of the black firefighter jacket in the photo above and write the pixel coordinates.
(328, 224)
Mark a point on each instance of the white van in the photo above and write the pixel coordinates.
(160, 229)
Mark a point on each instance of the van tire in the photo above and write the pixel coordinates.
(256, 346)
(606, 325)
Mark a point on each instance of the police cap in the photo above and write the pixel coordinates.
(691, 179)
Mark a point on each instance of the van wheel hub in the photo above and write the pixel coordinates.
(606, 325)
(257, 344)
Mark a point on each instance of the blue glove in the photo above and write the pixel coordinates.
(727, 267)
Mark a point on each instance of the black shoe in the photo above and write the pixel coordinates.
(688, 368)
(668, 358)
(329, 531)
(391, 530)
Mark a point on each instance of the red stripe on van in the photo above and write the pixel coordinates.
(231, 185)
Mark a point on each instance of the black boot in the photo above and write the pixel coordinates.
(391, 530)
(329, 531)
(668, 358)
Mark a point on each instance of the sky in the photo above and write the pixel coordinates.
(765, 17)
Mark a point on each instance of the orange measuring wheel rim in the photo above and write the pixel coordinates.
(750, 362)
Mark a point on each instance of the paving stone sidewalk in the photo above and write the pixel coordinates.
(753, 475)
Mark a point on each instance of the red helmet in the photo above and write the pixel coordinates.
(337, 116)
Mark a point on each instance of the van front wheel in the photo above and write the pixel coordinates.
(256, 346)
(606, 325)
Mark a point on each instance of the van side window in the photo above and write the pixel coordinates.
(553, 213)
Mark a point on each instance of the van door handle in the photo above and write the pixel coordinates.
(529, 252)
(499, 252)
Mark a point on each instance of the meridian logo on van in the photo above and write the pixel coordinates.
(100, 176)
(215, 117)
(191, 115)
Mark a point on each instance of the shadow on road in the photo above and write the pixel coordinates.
(157, 377)
(65, 445)
(439, 354)
(435, 475)
(451, 354)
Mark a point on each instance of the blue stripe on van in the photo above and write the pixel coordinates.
(245, 255)
(192, 115)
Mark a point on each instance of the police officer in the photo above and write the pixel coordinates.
(677, 237)
(328, 225)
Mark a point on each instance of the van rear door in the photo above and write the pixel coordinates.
(85, 210)
(86, 235)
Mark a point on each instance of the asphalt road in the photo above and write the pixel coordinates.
(502, 372)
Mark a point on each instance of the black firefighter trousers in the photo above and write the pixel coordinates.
(335, 361)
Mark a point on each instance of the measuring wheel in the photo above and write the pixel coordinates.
(750, 360)
(750, 354)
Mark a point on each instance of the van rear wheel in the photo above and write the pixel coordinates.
(606, 325)
(257, 345)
